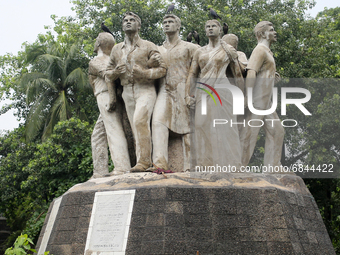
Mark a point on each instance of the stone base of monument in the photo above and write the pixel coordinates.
(145, 213)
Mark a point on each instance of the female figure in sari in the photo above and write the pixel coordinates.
(219, 145)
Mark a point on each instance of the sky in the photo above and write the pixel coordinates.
(23, 20)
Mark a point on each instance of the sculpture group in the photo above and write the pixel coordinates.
(154, 113)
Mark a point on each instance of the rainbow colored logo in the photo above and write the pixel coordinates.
(208, 92)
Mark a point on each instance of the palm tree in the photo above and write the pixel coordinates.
(56, 76)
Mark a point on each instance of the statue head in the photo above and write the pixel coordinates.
(105, 42)
(131, 22)
(171, 23)
(213, 28)
(265, 30)
(231, 39)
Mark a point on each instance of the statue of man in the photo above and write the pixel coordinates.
(232, 39)
(108, 129)
(128, 62)
(171, 112)
(261, 77)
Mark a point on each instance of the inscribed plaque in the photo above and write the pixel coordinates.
(110, 222)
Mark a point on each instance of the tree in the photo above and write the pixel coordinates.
(51, 85)
(14, 156)
(306, 47)
(33, 174)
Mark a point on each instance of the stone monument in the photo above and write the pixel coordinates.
(197, 212)
(128, 62)
(108, 130)
(210, 65)
(182, 214)
(242, 58)
(261, 73)
(171, 112)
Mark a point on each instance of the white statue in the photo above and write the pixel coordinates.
(128, 62)
(218, 144)
(261, 77)
(171, 112)
(108, 129)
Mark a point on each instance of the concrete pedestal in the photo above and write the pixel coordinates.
(210, 213)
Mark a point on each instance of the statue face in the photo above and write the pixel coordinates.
(170, 25)
(212, 29)
(270, 34)
(130, 24)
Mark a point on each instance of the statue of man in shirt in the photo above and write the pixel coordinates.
(171, 111)
(108, 129)
(261, 76)
(129, 63)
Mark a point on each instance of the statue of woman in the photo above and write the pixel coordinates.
(220, 144)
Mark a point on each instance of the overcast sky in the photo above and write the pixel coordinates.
(23, 20)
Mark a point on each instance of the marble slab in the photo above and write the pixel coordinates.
(110, 221)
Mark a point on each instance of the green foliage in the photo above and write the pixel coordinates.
(15, 155)
(47, 84)
(11, 67)
(52, 85)
(91, 14)
(32, 175)
(324, 146)
(326, 193)
(22, 246)
(61, 161)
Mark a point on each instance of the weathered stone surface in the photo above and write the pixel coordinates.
(217, 214)
(176, 159)
(265, 186)
(108, 130)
